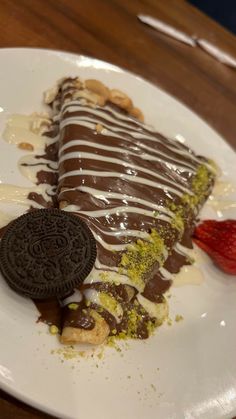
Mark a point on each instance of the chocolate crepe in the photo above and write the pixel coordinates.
(140, 194)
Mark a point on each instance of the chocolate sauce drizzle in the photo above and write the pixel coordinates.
(120, 181)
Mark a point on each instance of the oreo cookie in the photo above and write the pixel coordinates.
(47, 253)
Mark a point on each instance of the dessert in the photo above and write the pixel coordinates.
(137, 191)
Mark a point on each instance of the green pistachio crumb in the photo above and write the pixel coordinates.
(73, 306)
(151, 326)
(100, 309)
(103, 276)
(200, 183)
(53, 329)
(178, 220)
(141, 256)
(178, 318)
(108, 302)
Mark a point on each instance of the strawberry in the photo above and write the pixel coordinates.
(218, 239)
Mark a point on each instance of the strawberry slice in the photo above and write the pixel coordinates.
(218, 239)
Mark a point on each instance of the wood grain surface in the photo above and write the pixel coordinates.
(110, 30)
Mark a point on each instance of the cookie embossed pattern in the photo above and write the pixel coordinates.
(46, 253)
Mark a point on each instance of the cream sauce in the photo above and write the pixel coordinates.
(188, 275)
(19, 129)
(5, 218)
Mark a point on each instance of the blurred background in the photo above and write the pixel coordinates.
(223, 11)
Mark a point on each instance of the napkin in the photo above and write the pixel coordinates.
(191, 40)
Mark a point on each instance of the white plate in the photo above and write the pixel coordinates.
(187, 370)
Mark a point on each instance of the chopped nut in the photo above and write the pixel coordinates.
(77, 83)
(91, 98)
(26, 146)
(63, 204)
(50, 94)
(136, 113)
(120, 99)
(97, 87)
(99, 128)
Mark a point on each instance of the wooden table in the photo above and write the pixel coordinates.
(109, 30)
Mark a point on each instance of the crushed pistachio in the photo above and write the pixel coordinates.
(190, 200)
(73, 306)
(68, 353)
(178, 220)
(151, 326)
(53, 329)
(103, 276)
(100, 309)
(122, 335)
(178, 318)
(111, 342)
(133, 321)
(201, 180)
(108, 302)
(95, 315)
(153, 387)
(215, 168)
(141, 256)
(200, 184)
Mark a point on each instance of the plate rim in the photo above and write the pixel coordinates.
(4, 386)
(123, 70)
